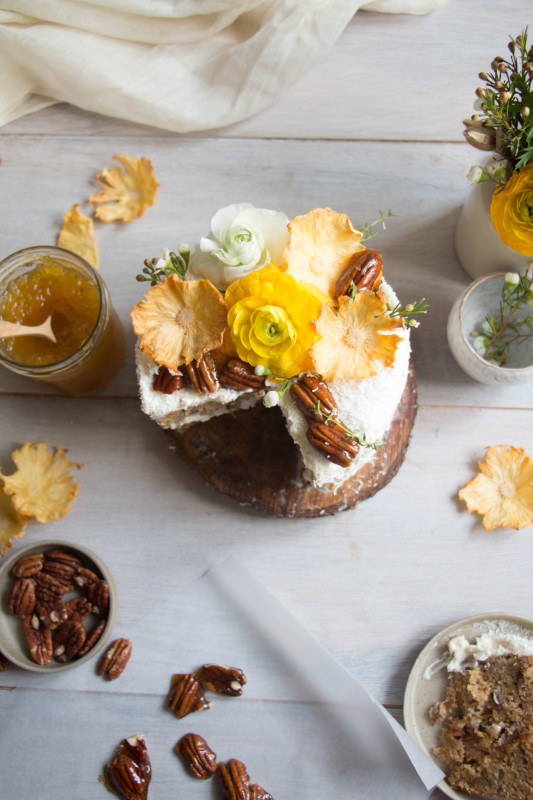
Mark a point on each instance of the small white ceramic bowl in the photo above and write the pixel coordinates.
(467, 314)
(12, 640)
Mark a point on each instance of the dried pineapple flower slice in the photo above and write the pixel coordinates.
(321, 245)
(42, 486)
(503, 491)
(129, 192)
(78, 236)
(179, 320)
(356, 339)
(12, 524)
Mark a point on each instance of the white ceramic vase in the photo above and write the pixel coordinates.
(469, 310)
(479, 248)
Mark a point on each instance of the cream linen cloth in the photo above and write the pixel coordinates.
(181, 65)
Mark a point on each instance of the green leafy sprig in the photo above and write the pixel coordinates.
(505, 121)
(499, 331)
(367, 229)
(157, 269)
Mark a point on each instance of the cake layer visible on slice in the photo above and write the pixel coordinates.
(487, 736)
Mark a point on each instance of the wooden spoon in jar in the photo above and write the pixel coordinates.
(14, 329)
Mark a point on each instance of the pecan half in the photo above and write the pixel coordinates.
(64, 569)
(239, 375)
(234, 780)
(28, 565)
(93, 634)
(49, 586)
(167, 382)
(113, 662)
(364, 270)
(68, 639)
(78, 608)
(332, 442)
(98, 594)
(128, 774)
(53, 614)
(198, 757)
(22, 597)
(186, 695)
(39, 640)
(223, 680)
(258, 793)
(202, 374)
(85, 577)
(312, 396)
(63, 557)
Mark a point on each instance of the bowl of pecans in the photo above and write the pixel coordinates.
(58, 606)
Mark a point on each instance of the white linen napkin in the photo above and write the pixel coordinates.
(180, 65)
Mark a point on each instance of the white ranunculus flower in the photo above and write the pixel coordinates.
(242, 238)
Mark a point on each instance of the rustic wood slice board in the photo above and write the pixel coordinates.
(249, 456)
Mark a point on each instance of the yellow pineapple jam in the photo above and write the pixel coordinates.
(49, 281)
(53, 289)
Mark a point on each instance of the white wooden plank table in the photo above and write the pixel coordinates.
(376, 125)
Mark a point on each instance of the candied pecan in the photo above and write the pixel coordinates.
(258, 793)
(28, 565)
(167, 382)
(234, 780)
(98, 595)
(197, 755)
(52, 615)
(364, 271)
(312, 396)
(239, 375)
(128, 774)
(78, 608)
(332, 442)
(93, 634)
(3, 662)
(22, 597)
(202, 374)
(223, 680)
(85, 577)
(186, 695)
(113, 662)
(68, 639)
(39, 639)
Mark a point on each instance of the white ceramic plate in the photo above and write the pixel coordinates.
(427, 683)
(12, 639)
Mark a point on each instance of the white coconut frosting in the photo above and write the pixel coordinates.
(367, 405)
(499, 638)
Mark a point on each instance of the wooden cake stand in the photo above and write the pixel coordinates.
(249, 456)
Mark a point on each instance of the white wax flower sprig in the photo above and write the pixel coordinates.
(242, 239)
(498, 331)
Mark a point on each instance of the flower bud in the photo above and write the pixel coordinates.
(505, 96)
(260, 370)
(414, 323)
(271, 399)
(483, 76)
(511, 279)
(483, 140)
(526, 111)
(409, 307)
(511, 45)
(498, 85)
(480, 91)
(502, 68)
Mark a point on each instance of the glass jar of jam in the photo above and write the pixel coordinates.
(39, 282)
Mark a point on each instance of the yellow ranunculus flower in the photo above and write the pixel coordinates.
(271, 317)
(511, 211)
